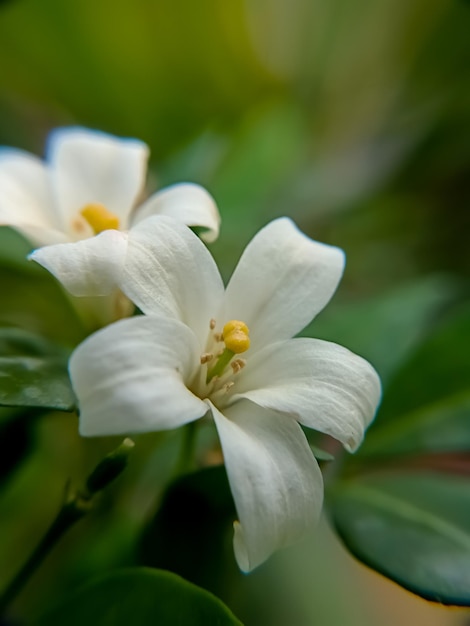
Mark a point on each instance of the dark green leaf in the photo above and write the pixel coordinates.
(35, 300)
(33, 372)
(140, 597)
(191, 533)
(414, 528)
(426, 407)
(16, 438)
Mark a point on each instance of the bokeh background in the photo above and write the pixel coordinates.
(350, 116)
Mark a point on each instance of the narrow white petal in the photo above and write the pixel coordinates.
(130, 377)
(281, 282)
(168, 270)
(321, 384)
(93, 167)
(26, 202)
(186, 202)
(91, 267)
(275, 480)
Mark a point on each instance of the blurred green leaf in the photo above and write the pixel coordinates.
(386, 328)
(33, 372)
(140, 597)
(191, 533)
(414, 529)
(14, 250)
(16, 439)
(426, 407)
(34, 300)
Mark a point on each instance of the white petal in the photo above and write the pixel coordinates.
(130, 377)
(281, 282)
(186, 202)
(26, 202)
(168, 270)
(93, 167)
(275, 480)
(321, 384)
(91, 267)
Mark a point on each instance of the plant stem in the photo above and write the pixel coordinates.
(75, 506)
(73, 509)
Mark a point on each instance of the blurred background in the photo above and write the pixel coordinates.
(350, 116)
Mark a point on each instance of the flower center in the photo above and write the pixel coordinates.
(99, 218)
(235, 336)
(216, 381)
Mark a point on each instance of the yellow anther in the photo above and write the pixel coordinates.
(99, 218)
(212, 324)
(235, 336)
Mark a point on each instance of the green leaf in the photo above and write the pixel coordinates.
(33, 372)
(413, 528)
(16, 439)
(191, 533)
(426, 407)
(140, 597)
(387, 328)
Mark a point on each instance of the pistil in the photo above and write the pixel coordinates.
(99, 218)
(235, 336)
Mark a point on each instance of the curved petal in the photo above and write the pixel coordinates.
(275, 480)
(130, 377)
(281, 282)
(323, 385)
(93, 167)
(91, 267)
(186, 202)
(168, 270)
(26, 202)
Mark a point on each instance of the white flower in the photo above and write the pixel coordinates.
(86, 190)
(200, 349)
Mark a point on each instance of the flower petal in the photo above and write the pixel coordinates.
(275, 480)
(26, 202)
(91, 267)
(189, 203)
(93, 167)
(169, 271)
(281, 282)
(323, 385)
(130, 377)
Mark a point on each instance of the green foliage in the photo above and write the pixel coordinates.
(192, 530)
(31, 297)
(140, 597)
(33, 372)
(414, 528)
(16, 438)
(426, 406)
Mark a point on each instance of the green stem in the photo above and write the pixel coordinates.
(222, 362)
(188, 444)
(75, 506)
(73, 509)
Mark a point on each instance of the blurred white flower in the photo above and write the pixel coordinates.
(202, 350)
(88, 189)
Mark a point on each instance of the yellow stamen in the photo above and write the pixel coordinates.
(236, 340)
(235, 336)
(99, 218)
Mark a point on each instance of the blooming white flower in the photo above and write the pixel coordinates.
(202, 350)
(87, 190)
